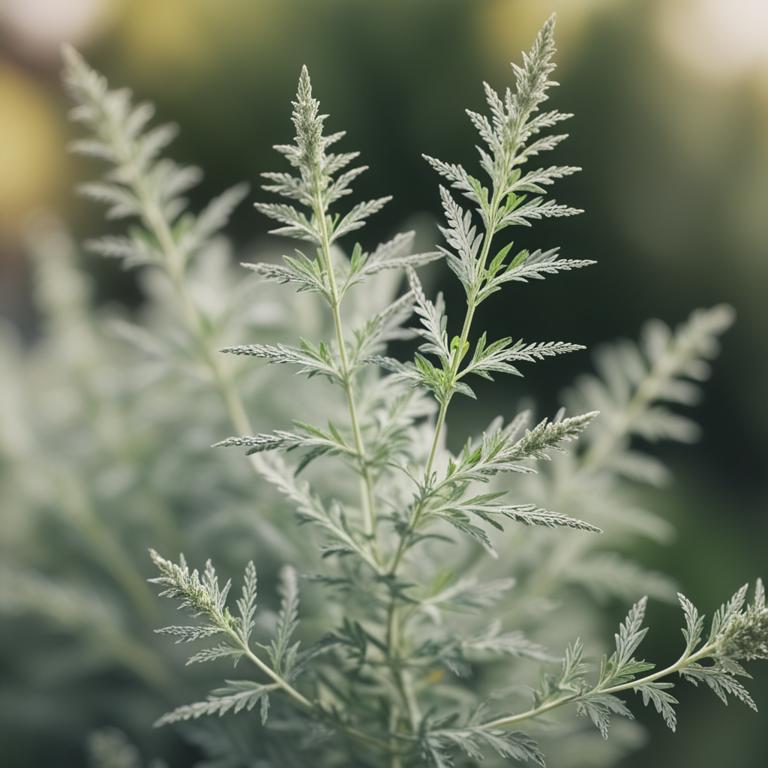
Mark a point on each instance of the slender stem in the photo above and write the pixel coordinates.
(413, 703)
(395, 761)
(681, 663)
(366, 480)
(272, 675)
(459, 353)
(303, 701)
(502, 722)
(456, 359)
(454, 369)
(157, 223)
(403, 680)
(176, 269)
(440, 421)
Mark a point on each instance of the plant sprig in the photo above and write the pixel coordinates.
(379, 673)
(738, 632)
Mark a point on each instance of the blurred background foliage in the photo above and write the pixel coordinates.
(671, 128)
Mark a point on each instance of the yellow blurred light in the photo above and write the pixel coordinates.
(166, 33)
(181, 37)
(33, 164)
(507, 27)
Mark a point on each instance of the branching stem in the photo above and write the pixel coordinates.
(458, 355)
(366, 480)
(403, 679)
(302, 701)
(684, 661)
(158, 225)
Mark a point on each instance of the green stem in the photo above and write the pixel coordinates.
(681, 663)
(684, 661)
(402, 678)
(366, 480)
(176, 266)
(453, 370)
(157, 223)
(303, 701)
(283, 684)
(176, 270)
(503, 722)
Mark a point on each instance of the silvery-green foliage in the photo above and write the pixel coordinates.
(93, 443)
(98, 455)
(142, 184)
(394, 696)
(591, 481)
(638, 383)
(394, 670)
(557, 581)
(737, 633)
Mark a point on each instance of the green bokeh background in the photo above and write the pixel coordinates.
(671, 129)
